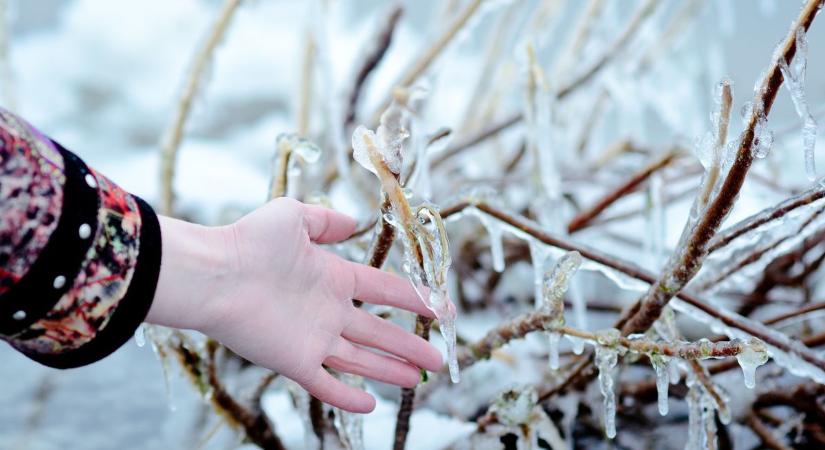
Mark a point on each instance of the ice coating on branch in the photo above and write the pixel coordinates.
(555, 284)
(606, 358)
(389, 139)
(792, 360)
(794, 74)
(494, 232)
(514, 406)
(304, 148)
(660, 365)
(753, 355)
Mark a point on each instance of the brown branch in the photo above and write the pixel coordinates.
(405, 410)
(585, 217)
(644, 11)
(764, 433)
(202, 372)
(633, 271)
(766, 215)
(383, 40)
(690, 256)
(174, 134)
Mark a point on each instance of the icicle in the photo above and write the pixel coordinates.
(494, 232)
(350, 426)
(556, 281)
(606, 358)
(752, 356)
(538, 255)
(708, 424)
(579, 315)
(140, 335)
(660, 365)
(656, 220)
(553, 339)
(695, 414)
(795, 83)
(762, 138)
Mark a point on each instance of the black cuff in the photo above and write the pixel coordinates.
(132, 308)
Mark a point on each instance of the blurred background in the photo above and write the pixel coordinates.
(102, 78)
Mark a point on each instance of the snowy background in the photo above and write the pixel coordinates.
(102, 78)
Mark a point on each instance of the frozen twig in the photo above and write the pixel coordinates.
(372, 58)
(203, 373)
(764, 433)
(688, 258)
(539, 321)
(755, 221)
(727, 318)
(633, 25)
(174, 133)
(586, 216)
(644, 12)
(420, 65)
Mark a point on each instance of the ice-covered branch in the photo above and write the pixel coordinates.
(755, 221)
(689, 256)
(287, 146)
(174, 133)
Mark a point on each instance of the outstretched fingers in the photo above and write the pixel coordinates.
(350, 358)
(370, 330)
(383, 288)
(325, 225)
(335, 392)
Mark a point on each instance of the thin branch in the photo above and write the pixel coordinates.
(766, 215)
(421, 65)
(729, 319)
(614, 50)
(383, 40)
(584, 217)
(540, 321)
(764, 433)
(203, 373)
(690, 256)
(174, 134)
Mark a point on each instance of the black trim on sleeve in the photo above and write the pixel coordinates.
(36, 293)
(132, 308)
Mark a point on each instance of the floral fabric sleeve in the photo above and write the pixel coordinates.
(79, 257)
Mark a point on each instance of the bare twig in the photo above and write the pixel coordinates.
(583, 218)
(174, 134)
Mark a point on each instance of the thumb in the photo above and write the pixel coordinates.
(325, 225)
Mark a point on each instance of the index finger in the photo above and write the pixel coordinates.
(383, 288)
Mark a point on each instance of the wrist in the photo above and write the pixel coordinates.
(196, 269)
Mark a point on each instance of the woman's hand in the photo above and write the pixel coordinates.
(265, 288)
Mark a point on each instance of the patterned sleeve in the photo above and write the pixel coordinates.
(79, 257)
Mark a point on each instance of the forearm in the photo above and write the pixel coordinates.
(194, 274)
